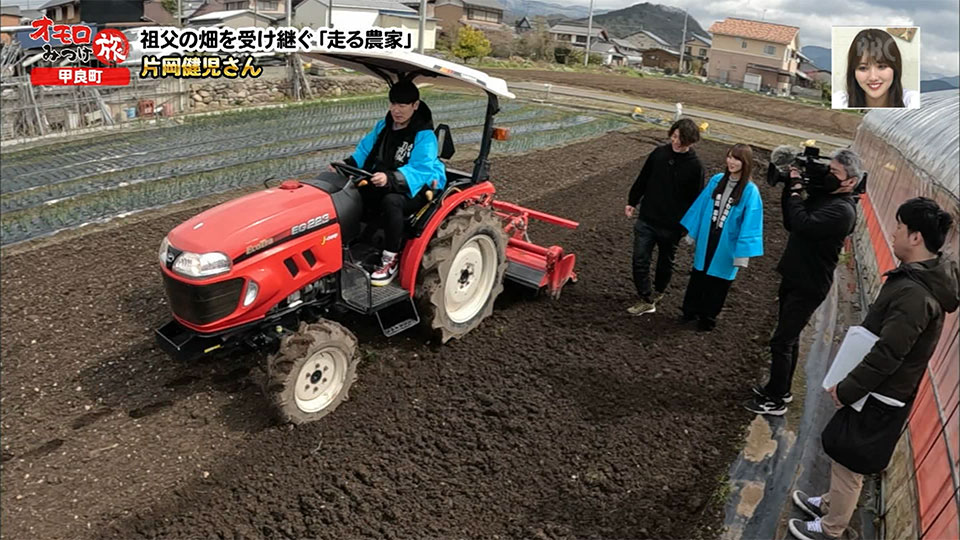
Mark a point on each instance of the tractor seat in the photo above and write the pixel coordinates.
(445, 151)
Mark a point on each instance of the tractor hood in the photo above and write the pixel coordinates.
(256, 221)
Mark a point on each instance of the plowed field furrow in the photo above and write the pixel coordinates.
(193, 160)
(196, 178)
(188, 141)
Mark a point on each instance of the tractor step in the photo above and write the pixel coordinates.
(358, 293)
(398, 317)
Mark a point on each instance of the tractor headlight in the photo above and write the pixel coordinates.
(252, 290)
(198, 265)
(164, 247)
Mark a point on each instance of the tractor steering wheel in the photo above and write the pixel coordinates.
(356, 175)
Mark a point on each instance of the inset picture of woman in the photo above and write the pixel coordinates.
(875, 67)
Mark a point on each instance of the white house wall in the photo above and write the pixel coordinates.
(354, 19)
(412, 26)
(311, 14)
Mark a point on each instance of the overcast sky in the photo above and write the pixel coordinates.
(937, 19)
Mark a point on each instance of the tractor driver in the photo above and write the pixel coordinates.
(401, 152)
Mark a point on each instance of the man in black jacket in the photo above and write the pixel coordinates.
(818, 226)
(667, 185)
(907, 317)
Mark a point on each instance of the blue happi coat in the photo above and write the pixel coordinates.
(742, 233)
(423, 167)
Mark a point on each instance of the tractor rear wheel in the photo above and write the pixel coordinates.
(311, 373)
(461, 273)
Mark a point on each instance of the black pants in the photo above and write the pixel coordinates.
(705, 297)
(796, 308)
(388, 209)
(645, 237)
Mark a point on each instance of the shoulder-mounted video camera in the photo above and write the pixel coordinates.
(808, 161)
(813, 168)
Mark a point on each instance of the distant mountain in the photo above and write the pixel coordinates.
(517, 9)
(664, 21)
(820, 56)
(940, 84)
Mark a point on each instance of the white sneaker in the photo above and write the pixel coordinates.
(810, 505)
(384, 274)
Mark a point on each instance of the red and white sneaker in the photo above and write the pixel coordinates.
(384, 274)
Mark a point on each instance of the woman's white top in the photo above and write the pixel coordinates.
(911, 100)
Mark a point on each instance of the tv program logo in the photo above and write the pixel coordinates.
(109, 46)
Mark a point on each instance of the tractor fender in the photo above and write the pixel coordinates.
(416, 247)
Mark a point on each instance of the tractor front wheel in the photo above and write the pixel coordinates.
(311, 373)
(461, 273)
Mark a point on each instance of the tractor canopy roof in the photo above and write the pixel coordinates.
(391, 65)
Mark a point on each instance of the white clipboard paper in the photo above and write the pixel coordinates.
(853, 350)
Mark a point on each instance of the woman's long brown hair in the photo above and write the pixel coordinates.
(744, 154)
(880, 47)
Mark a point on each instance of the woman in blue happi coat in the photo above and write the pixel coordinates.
(725, 224)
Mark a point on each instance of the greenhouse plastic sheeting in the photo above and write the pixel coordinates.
(929, 136)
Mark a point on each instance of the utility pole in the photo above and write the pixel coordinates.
(683, 40)
(329, 13)
(293, 59)
(423, 25)
(181, 93)
(586, 57)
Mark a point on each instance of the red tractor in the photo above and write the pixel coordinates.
(266, 270)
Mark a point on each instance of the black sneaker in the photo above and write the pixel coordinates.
(765, 405)
(803, 502)
(759, 392)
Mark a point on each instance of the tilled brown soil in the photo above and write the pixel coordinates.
(555, 419)
(755, 106)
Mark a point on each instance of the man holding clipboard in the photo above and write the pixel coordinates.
(906, 319)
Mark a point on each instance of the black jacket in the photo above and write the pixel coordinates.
(818, 227)
(908, 318)
(667, 185)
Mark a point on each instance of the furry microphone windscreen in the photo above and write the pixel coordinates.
(784, 155)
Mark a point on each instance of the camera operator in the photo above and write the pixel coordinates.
(818, 226)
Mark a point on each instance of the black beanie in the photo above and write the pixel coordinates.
(404, 92)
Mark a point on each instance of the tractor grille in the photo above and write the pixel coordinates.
(203, 304)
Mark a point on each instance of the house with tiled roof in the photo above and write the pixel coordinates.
(363, 14)
(574, 34)
(754, 54)
(485, 15)
(645, 39)
(656, 51)
(116, 13)
(695, 54)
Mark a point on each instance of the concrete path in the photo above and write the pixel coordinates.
(781, 454)
(695, 113)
